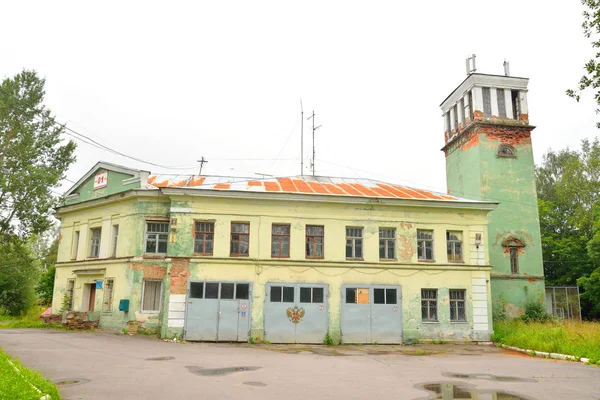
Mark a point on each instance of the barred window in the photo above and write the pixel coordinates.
(454, 246)
(425, 245)
(95, 234)
(107, 298)
(387, 243)
(280, 240)
(204, 233)
(157, 236)
(354, 242)
(457, 305)
(514, 260)
(315, 241)
(70, 291)
(429, 305)
(240, 239)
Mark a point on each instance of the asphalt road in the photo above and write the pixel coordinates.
(116, 366)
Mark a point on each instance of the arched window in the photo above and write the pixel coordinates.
(506, 150)
(513, 246)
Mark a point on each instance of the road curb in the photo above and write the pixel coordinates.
(543, 354)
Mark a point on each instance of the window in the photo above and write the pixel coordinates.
(357, 295)
(448, 125)
(463, 113)
(425, 245)
(95, 234)
(516, 104)
(115, 239)
(354, 243)
(75, 245)
(151, 296)
(457, 305)
(387, 243)
(240, 239)
(280, 241)
(70, 290)
(204, 235)
(514, 260)
(311, 295)
(315, 239)
(454, 246)
(229, 291)
(501, 103)
(282, 294)
(506, 150)
(455, 110)
(487, 102)
(385, 296)
(471, 105)
(107, 298)
(429, 305)
(157, 236)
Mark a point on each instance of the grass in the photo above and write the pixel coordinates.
(572, 338)
(17, 385)
(31, 319)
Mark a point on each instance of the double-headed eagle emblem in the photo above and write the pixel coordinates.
(295, 314)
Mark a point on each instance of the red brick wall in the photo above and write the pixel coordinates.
(180, 272)
(151, 271)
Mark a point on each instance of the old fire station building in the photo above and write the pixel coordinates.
(292, 260)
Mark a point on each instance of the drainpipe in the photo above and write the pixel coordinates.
(164, 329)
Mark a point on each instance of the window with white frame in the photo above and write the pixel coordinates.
(354, 242)
(454, 246)
(157, 236)
(487, 102)
(429, 305)
(425, 245)
(457, 305)
(95, 234)
(115, 239)
(107, 298)
(75, 245)
(151, 296)
(387, 243)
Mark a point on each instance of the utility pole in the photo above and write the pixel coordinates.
(301, 139)
(202, 161)
(312, 163)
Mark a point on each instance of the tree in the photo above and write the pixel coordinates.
(568, 185)
(18, 274)
(45, 286)
(33, 158)
(591, 30)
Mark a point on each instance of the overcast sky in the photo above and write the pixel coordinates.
(170, 82)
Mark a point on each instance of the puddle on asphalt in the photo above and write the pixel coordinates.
(218, 371)
(70, 381)
(259, 384)
(449, 391)
(488, 377)
(160, 358)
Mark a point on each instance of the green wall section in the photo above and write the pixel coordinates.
(115, 185)
(477, 172)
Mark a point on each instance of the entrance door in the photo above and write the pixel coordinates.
(218, 311)
(371, 314)
(296, 313)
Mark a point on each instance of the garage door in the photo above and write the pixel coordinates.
(371, 314)
(218, 311)
(296, 313)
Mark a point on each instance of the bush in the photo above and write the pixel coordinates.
(535, 312)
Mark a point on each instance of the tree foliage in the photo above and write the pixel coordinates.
(568, 185)
(33, 157)
(591, 30)
(18, 274)
(45, 286)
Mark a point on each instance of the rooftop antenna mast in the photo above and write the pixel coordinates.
(314, 128)
(301, 139)
(470, 64)
(201, 161)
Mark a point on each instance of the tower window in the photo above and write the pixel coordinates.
(506, 151)
(487, 102)
(471, 105)
(514, 260)
(516, 104)
(448, 127)
(455, 118)
(463, 112)
(501, 103)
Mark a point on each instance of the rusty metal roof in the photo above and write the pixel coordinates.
(315, 185)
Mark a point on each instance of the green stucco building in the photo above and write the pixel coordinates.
(489, 157)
